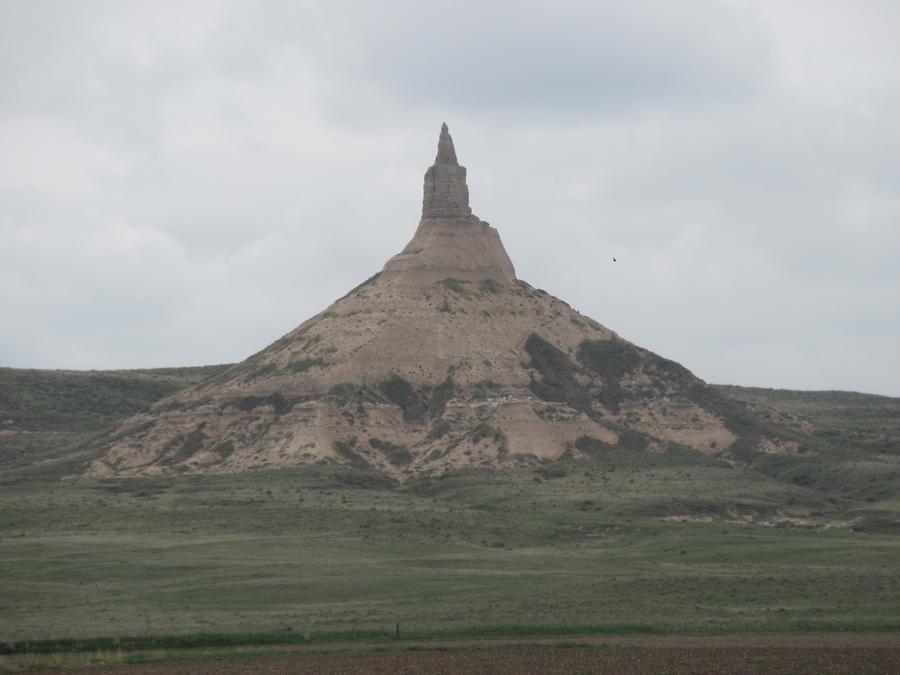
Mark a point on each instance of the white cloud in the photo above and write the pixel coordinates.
(44, 156)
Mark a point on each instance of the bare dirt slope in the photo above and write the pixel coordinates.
(442, 360)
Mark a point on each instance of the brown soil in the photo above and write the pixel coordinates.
(732, 654)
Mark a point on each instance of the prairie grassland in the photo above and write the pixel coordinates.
(312, 552)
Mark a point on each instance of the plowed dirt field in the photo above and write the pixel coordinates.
(736, 654)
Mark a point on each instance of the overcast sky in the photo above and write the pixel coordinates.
(183, 182)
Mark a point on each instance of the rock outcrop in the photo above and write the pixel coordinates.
(449, 239)
(446, 192)
(442, 360)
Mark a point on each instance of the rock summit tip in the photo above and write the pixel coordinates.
(446, 193)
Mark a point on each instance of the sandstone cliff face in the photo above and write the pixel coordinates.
(442, 360)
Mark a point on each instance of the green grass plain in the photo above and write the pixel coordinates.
(627, 541)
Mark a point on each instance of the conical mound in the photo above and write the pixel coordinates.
(442, 360)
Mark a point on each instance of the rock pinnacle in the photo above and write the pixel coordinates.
(446, 193)
(446, 152)
(452, 242)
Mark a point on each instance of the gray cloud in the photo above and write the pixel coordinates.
(182, 184)
(554, 56)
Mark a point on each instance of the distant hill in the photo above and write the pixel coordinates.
(47, 415)
(866, 422)
(847, 447)
(86, 400)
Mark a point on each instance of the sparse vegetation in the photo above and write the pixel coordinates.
(302, 365)
(633, 440)
(485, 389)
(611, 359)
(186, 447)
(60, 400)
(280, 404)
(486, 431)
(454, 285)
(439, 428)
(490, 286)
(397, 455)
(347, 450)
(400, 392)
(591, 446)
(442, 394)
(225, 449)
(557, 372)
(550, 471)
(263, 370)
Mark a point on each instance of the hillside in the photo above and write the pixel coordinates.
(46, 414)
(867, 422)
(847, 448)
(73, 400)
(846, 462)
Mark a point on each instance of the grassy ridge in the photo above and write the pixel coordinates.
(70, 400)
(849, 448)
(47, 415)
(864, 422)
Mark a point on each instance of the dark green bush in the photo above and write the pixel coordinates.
(484, 430)
(557, 371)
(455, 285)
(591, 446)
(346, 449)
(490, 286)
(552, 471)
(400, 392)
(439, 429)
(442, 394)
(187, 446)
(633, 440)
(611, 359)
(302, 365)
(396, 454)
(225, 449)
(276, 400)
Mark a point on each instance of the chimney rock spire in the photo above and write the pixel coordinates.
(446, 193)
(446, 153)
(451, 242)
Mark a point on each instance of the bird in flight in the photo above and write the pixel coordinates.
(614, 258)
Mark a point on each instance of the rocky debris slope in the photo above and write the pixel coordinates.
(442, 360)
